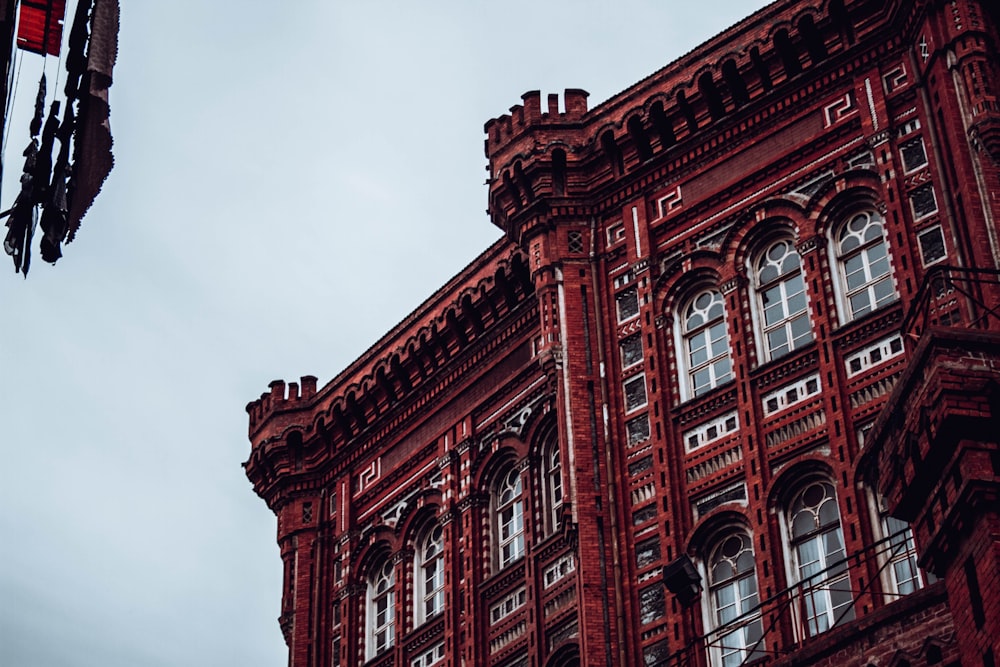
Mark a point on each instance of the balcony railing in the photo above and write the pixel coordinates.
(950, 296)
(783, 623)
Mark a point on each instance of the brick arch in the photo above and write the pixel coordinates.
(702, 267)
(710, 526)
(540, 426)
(788, 25)
(661, 97)
(760, 225)
(790, 479)
(834, 202)
(507, 450)
(382, 544)
(567, 655)
(417, 520)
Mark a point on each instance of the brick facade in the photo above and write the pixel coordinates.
(680, 355)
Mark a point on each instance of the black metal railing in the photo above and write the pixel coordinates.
(951, 296)
(788, 611)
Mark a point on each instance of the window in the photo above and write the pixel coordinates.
(510, 517)
(898, 554)
(711, 431)
(734, 614)
(705, 343)
(790, 394)
(631, 349)
(507, 605)
(913, 154)
(781, 297)
(635, 392)
(932, 245)
(640, 466)
(874, 355)
(429, 597)
(638, 429)
(818, 556)
(652, 603)
(656, 654)
(863, 259)
(644, 514)
(616, 233)
(647, 553)
(552, 482)
(558, 570)
(923, 201)
(431, 656)
(628, 303)
(381, 609)
(902, 555)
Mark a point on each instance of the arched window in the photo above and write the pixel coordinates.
(552, 482)
(898, 555)
(381, 608)
(818, 557)
(429, 561)
(509, 510)
(705, 343)
(781, 300)
(737, 636)
(863, 259)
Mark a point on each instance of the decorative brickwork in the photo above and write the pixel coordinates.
(743, 322)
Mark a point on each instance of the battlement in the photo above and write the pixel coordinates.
(675, 112)
(529, 114)
(281, 397)
(391, 370)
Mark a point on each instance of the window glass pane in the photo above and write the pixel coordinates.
(631, 349)
(932, 245)
(628, 303)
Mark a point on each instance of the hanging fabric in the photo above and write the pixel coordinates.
(39, 26)
(92, 156)
(23, 216)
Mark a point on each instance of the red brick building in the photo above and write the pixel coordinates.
(741, 332)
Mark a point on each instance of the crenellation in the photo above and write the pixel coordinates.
(710, 286)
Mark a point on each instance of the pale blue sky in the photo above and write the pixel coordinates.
(291, 180)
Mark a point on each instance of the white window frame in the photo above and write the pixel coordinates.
(897, 554)
(558, 570)
(913, 209)
(730, 648)
(874, 355)
(789, 286)
(790, 394)
(553, 482)
(429, 575)
(920, 244)
(717, 351)
(381, 609)
(640, 403)
(621, 350)
(509, 513)
(918, 140)
(867, 258)
(620, 299)
(431, 656)
(507, 605)
(816, 598)
(710, 431)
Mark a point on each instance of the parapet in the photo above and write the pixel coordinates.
(294, 395)
(528, 114)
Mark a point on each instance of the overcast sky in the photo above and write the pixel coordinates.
(292, 178)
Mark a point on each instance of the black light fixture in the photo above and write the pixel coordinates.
(681, 578)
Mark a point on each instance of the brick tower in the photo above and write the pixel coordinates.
(740, 333)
